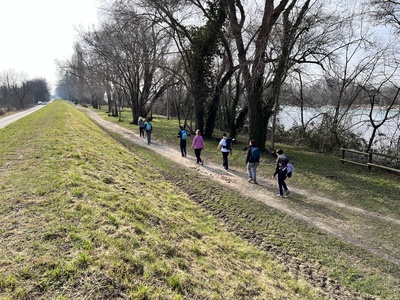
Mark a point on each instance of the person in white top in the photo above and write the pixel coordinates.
(225, 151)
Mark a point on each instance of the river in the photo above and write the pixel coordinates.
(357, 120)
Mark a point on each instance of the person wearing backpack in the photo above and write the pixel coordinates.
(252, 161)
(183, 135)
(225, 149)
(141, 127)
(149, 130)
(281, 171)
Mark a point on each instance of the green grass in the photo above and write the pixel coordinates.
(89, 214)
(83, 216)
(323, 175)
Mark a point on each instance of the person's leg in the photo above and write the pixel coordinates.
(197, 153)
(284, 185)
(201, 161)
(225, 160)
(254, 171)
(184, 147)
(281, 182)
(182, 150)
(148, 134)
(249, 170)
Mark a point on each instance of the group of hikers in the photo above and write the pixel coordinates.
(283, 168)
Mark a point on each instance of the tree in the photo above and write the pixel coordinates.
(387, 12)
(132, 51)
(199, 45)
(39, 90)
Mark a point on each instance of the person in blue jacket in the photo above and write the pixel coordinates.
(252, 161)
(183, 135)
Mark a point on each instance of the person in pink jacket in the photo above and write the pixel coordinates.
(198, 145)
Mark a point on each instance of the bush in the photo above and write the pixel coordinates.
(2, 111)
(321, 137)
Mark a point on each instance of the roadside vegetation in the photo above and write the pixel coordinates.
(86, 214)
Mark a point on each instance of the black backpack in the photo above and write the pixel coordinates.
(229, 143)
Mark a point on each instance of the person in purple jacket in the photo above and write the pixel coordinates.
(198, 145)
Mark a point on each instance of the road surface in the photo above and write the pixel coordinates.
(14, 117)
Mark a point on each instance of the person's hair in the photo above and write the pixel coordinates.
(198, 131)
(279, 151)
(224, 134)
(253, 142)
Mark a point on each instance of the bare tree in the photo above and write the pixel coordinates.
(132, 51)
(386, 12)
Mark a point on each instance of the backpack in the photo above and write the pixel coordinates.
(141, 123)
(255, 154)
(283, 161)
(183, 134)
(290, 170)
(148, 126)
(228, 144)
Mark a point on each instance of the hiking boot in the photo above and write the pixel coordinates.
(279, 195)
(255, 182)
(287, 192)
(250, 179)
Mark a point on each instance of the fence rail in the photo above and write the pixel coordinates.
(370, 163)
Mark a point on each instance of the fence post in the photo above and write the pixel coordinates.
(343, 150)
(370, 161)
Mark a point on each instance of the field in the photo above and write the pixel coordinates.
(88, 214)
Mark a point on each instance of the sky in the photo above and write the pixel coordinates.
(36, 33)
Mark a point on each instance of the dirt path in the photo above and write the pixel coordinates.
(349, 223)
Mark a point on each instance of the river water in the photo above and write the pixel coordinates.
(357, 120)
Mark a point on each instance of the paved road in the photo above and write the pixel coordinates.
(14, 117)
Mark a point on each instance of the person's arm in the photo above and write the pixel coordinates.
(248, 155)
(219, 145)
(276, 170)
(193, 142)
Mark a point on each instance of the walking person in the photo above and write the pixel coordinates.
(198, 145)
(252, 161)
(281, 171)
(141, 127)
(223, 145)
(183, 135)
(149, 130)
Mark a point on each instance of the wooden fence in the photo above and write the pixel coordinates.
(370, 163)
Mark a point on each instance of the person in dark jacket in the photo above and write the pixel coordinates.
(149, 130)
(281, 171)
(183, 135)
(141, 127)
(252, 161)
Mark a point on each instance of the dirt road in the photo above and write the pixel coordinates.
(350, 224)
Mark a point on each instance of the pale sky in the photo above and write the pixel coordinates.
(34, 33)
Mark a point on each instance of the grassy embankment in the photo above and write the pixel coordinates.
(84, 216)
